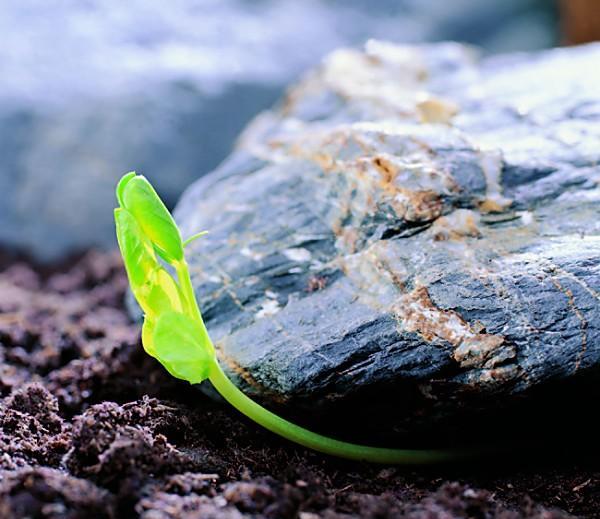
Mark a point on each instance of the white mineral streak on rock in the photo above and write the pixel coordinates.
(491, 164)
(355, 75)
(555, 247)
(238, 208)
(249, 253)
(252, 280)
(268, 308)
(298, 254)
(527, 217)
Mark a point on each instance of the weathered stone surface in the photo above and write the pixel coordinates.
(90, 90)
(409, 226)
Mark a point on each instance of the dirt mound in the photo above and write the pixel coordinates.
(92, 427)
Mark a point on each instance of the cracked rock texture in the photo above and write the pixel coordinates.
(91, 90)
(413, 228)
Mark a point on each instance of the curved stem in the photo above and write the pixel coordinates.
(230, 392)
(321, 443)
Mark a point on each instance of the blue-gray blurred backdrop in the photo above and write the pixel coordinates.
(90, 89)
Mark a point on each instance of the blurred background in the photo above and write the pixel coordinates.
(90, 89)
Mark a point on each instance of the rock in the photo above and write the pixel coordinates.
(91, 90)
(412, 229)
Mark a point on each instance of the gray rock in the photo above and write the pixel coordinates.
(412, 228)
(92, 89)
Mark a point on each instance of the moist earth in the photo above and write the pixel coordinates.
(91, 427)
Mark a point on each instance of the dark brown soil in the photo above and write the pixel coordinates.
(92, 427)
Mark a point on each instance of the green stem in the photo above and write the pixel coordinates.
(318, 442)
(194, 237)
(293, 432)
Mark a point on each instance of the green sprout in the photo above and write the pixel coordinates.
(174, 332)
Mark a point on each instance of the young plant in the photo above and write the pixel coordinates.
(174, 333)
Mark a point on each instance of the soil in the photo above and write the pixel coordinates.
(91, 427)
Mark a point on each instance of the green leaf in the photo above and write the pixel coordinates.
(148, 336)
(163, 294)
(142, 201)
(136, 249)
(177, 346)
(121, 185)
(154, 288)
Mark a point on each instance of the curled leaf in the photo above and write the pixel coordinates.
(153, 287)
(139, 198)
(136, 249)
(178, 347)
(121, 186)
(148, 336)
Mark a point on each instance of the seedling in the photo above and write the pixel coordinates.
(174, 332)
